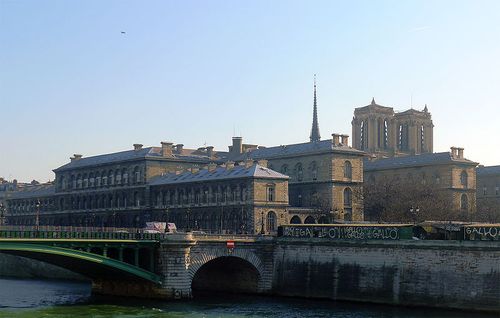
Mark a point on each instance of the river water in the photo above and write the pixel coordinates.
(61, 299)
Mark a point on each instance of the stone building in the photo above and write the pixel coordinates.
(324, 174)
(246, 198)
(382, 132)
(488, 191)
(129, 188)
(106, 189)
(400, 145)
(449, 171)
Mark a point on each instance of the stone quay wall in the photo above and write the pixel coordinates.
(446, 274)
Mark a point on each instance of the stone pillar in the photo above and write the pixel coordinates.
(173, 264)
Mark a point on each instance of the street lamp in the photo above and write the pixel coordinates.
(37, 216)
(262, 222)
(2, 214)
(414, 212)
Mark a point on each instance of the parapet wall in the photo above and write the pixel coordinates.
(452, 274)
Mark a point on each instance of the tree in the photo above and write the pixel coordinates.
(488, 210)
(388, 200)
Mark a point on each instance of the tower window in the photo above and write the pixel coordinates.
(463, 179)
(270, 193)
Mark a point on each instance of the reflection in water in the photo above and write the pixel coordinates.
(57, 299)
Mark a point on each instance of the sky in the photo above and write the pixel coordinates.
(200, 72)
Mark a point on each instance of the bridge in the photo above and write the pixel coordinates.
(377, 265)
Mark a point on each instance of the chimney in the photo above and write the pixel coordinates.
(210, 151)
(76, 157)
(166, 149)
(229, 165)
(345, 140)
(212, 166)
(454, 152)
(237, 147)
(137, 147)
(262, 163)
(335, 139)
(178, 148)
(248, 163)
(460, 153)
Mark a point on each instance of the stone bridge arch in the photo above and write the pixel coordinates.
(250, 266)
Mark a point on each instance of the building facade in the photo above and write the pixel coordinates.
(488, 192)
(318, 182)
(382, 132)
(450, 172)
(326, 177)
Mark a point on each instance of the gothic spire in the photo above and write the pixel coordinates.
(315, 127)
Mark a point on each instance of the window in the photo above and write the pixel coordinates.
(496, 190)
(463, 179)
(314, 170)
(137, 175)
(284, 169)
(299, 171)
(485, 190)
(347, 197)
(464, 202)
(347, 204)
(270, 193)
(348, 170)
(271, 221)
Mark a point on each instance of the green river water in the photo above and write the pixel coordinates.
(62, 299)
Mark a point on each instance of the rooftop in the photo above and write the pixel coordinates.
(425, 159)
(219, 173)
(490, 170)
(143, 153)
(298, 149)
(35, 191)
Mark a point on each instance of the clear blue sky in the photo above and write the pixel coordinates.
(198, 71)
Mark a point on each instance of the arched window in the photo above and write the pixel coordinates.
(137, 175)
(295, 220)
(347, 204)
(314, 170)
(348, 170)
(284, 169)
(299, 171)
(111, 177)
(463, 179)
(124, 176)
(271, 221)
(464, 202)
(309, 220)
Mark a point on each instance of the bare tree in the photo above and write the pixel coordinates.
(388, 200)
(488, 210)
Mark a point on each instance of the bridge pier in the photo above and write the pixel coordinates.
(173, 263)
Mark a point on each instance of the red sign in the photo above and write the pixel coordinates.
(230, 244)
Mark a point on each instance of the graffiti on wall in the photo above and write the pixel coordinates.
(490, 233)
(343, 232)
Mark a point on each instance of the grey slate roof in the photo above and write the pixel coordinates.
(144, 153)
(298, 149)
(488, 170)
(424, 159)
(38, 191)
(220, 173)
